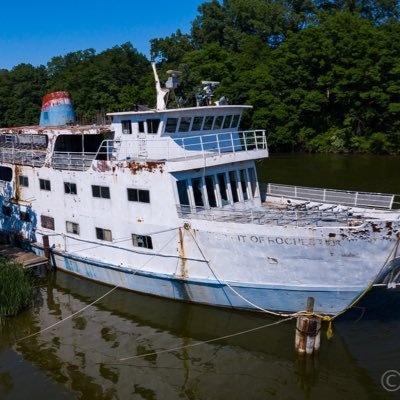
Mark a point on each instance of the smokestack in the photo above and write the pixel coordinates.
(57, 110)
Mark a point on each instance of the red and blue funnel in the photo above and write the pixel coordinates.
(57, 110)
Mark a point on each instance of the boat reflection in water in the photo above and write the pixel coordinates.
(80, 357)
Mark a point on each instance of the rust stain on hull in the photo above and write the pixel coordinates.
(149, 166)
(184, 272)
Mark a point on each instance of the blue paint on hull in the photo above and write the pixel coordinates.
(284, 299)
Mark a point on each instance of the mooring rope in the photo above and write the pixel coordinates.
(94, 302)
(205, 341)
(69, 316)
(328, 318)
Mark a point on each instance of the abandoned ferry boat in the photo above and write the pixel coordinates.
(167, 202)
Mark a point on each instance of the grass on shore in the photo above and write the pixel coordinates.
(15, 288)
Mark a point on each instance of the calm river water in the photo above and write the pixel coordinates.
(80, 358)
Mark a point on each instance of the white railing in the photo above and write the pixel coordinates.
(23, 156)
(333, 196)
(164, 149)
(261, 216)
(182, 148)
(73, 161)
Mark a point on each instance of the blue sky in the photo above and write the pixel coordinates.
(35, 31)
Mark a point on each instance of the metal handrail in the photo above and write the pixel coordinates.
(261, 216)
(335, 196)
(178, 148)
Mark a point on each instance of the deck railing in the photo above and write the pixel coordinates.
(165, 149)
(333, 196)
(24, 156)
(311, 217)
(183, 148)
(73, 161)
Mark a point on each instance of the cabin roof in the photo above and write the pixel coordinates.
(180, 110)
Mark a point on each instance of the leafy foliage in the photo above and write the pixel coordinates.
(322, 75)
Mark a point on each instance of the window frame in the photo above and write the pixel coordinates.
(147, 241)
(43, 184)
(126, 123)
(151, 124)
(70, 185)
(102, 233)
(47, 222)
(136, 195)
(73, 225)
(22, 179)
(101, 191)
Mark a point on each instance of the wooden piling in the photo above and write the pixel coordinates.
(308, 331)
(46, 250)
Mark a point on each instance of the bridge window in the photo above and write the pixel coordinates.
(253, 182)
(102, 192)
(142, 241)
(185, 124)
(183, 192)
(243, 183)
(104, 234)
(227, 122)
(208, 123)
(70, 188)
(218, 122)
(235, 121)
(197, 123)
(152, 126)
(139, 195)
(212, 201)
(223, 189)
(197, 187)
(23, 181)
(126, 127)
(234, 188)
(141, 126)
(72, 227)
(5, 174)
(171, 125)
(44, 184)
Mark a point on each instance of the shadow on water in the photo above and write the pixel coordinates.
(80, 357)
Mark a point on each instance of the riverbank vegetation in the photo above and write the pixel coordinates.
(15, 288)
(323, 76)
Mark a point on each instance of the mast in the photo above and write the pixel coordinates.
(161, 93)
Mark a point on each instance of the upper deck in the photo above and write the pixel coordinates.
(181, 138)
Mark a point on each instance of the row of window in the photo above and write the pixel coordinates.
(183, 124)
(149, 126)
(103, 192)
(218, 190)
(101, 233)
(72, 227)
(186, 124)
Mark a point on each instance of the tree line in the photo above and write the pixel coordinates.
(322, 75)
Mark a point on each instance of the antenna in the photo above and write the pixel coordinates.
(209, 89)
(173, 79)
